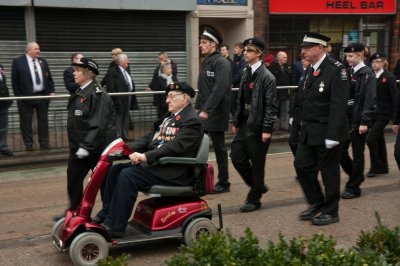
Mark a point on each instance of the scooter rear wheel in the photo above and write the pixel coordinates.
(196, 227)
(56, 233)
(88, 249)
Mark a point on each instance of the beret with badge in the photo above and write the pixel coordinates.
(211, 34)
(354, 47)
(181, 87)
(377, 56)
(313, 39)
(255, 42)
(88, 63)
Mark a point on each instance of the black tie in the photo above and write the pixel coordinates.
(37, 78)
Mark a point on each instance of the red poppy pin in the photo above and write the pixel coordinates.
(251, 85)
(177, 118)
(82, 100)
(316, 73)
(384, 80)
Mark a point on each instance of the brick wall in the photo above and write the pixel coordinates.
(260, 19)
(395, 36)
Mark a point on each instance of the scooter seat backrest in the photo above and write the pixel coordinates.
(202, 153)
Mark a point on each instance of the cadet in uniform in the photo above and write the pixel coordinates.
(323, 127)
(253, 123)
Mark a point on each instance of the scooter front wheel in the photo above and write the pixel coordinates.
(88, 249)
(56, 233)
(196, 227)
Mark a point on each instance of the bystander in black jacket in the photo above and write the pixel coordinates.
(283, 78)
(69, 80)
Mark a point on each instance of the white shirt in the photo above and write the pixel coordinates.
(127, 77)
(359, 66)
(86, 84)
(255, 66)
(36, 88)
(316, 65)
(379, 73)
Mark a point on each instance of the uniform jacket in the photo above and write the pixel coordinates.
(364, 97)
(22, 80)
(214, 92)
(296, 101)
(264, 106)
(160, 84)
(396, 115)
(284, 78)
(238, 65)
(4, 105)
(69, 80)
(323, 115)
(180, 137)
(386, 92)
(90, 122)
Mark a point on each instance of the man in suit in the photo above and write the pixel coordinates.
(31, 76)
(114, 54)
(323, 128)
(179, 133)
(120, 80)
(4, 106)
(68, 74)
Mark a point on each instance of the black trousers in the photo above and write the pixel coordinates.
(76, 172)
(248, 155)
(377, 147)
(345, 161)
(122, 123)
(294, 137)
(221, 154)
(397, 150)
(308, 162)
(26, 110)
(357, 173)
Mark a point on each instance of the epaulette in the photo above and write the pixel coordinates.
(98, 90)
(335, 62)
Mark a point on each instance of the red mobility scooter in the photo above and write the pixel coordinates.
(171, 212)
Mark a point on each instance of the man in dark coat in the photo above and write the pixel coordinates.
(213, 101)
(323, 128)
(4, 106)
(68, 74)
(237, 70)
(31, 76)
(179, 133)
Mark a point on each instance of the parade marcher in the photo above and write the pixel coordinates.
(386, 92)
(31, 76)
(90, 128)
(4, 106)
(68, 75)
(325, 90)
(363, 111)
(237, 70)
(178, 133)
(213, 101)
(396, 130)
(253, 123)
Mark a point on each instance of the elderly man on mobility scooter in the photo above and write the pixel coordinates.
(178, 133)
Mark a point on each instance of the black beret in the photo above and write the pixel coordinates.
(354, 47)
(182, 87)
(256, 42)
(313, 38)
(211, 34)
(88, 63)
(377, 56)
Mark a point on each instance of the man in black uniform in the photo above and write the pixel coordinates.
(253, 123)
(323, 127)
(213, 101)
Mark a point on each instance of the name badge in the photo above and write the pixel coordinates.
(78, 112)
(210, 74)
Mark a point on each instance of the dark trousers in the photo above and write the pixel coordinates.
(377, 147)
(345, 161)
(397, 150)
(294, 137)
(76, 172)
(308, 162)
(248, 154)
(234, 96)
(26, 111)
(3, 128)
(123, 183)
(122, 123)
(221, 154)
(357, 173)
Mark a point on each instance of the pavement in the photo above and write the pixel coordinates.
(30, 197)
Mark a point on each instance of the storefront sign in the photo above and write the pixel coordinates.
(332, 7)
(354, 36)
(223, 2)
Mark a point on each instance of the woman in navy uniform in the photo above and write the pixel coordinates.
(91, 127)
(363, 111)
(386, 91)
(323, 128)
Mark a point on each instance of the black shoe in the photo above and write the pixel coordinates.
(58, 217)
(325, 219)
(250, 207)
(350, 195)
(97, 220)
(311, 212)
(7, 152)
(29, 148)
(220, 189)
(113, 234)
(371, 174)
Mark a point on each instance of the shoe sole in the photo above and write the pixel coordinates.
(334, 220)
(309, 217)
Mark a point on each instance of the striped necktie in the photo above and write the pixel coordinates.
(37, 78)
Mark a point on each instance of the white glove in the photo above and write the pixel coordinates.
(290, 120)
(82, 153)
(329, 144)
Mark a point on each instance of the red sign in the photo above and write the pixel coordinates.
(332, 7)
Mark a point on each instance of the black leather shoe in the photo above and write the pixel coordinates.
(97, 220)
(311, 212)
(371, 174)
(113, 234)
(7, 152)
(250, 207)
(58, 217)
(350, 195)
(325, 219)
(220, 189)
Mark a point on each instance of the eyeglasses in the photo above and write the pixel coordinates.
(172, 96)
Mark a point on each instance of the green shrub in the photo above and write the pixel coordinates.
(121, 260)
